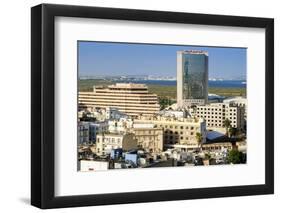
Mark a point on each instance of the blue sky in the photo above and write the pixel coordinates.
(106, 58)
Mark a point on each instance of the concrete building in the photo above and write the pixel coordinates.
(240, 101)
(108, 141)
(192, 78)
(120, 126)
(149, 137)
(216, 113)
(96, 128)
(112, 113)
(87, 131)
(174, 113)
(83, 132)
(178, 132)
(131, 99)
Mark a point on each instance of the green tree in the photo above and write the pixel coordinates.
(199, 139)
(233, 131)
(165, 102)
(235, 157)
(227, 124)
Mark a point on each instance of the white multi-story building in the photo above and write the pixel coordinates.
(240, 101)
(216, 113)
(108, 141)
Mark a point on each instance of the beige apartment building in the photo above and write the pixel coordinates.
(107, 141)
(131, 99)
(216, 113)
(149, 137)
(178, 132)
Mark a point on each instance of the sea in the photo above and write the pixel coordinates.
(212, 83)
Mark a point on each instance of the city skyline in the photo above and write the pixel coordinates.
(154, 60)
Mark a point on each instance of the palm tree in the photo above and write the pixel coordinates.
(227, 124)
(233, 131)
(199, 139)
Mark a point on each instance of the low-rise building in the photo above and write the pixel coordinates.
(173, 113)
(91, 165)
(96, 128)
(112, 113)
(178, 132)
(121, 125)
(149, 137)
(87, 131)
(83, 132)
(108, 141)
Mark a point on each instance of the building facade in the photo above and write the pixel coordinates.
(216, 113)
(109, 141)
(178, 132)
(149, 137)
(192, 78)
(240, 101)
(131, 99)
(120, 126)
(87, 131)
(83, 133)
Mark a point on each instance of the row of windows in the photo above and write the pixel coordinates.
(181, 133)
(112, 140)
(176, 127)
(215, 113)
(176, 138)
(217, 109)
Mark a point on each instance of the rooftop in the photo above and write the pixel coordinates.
(128, 85)
(194, 52)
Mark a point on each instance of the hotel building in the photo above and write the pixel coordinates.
(178, 132)
(216, 113)
(192, 78)
(132, 99)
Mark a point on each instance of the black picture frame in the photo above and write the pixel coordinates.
(43, 110)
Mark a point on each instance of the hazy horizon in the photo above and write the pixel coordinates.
(108, 59)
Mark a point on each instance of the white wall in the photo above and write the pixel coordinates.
(15, 100)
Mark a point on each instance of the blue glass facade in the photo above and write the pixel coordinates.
(192, 71)
(195, 79)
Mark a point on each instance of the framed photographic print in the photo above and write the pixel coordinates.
(139, 106)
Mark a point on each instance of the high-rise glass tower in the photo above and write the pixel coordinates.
(192, 78)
